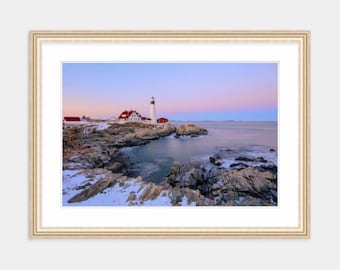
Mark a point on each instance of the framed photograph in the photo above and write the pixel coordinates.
(169, 134)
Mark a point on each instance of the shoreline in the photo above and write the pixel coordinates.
(96, 174)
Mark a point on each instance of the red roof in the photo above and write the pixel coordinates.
(71, 118)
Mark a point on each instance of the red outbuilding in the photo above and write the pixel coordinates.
(72, 119)
(162, 120)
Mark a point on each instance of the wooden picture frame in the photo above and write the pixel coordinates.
(49, 49)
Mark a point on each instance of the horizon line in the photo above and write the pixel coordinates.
(188, 120)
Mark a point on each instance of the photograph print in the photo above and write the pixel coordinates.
(170, 134)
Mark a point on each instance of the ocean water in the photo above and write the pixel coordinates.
(253, 139)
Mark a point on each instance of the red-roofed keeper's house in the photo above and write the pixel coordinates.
(130, 115)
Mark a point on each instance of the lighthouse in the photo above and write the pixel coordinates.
(153, 111)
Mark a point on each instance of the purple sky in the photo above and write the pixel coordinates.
(183, 91)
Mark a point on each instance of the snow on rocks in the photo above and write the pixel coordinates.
(101, 187)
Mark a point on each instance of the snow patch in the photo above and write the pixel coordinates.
(185, 202)
(102, 126)
(117, 195)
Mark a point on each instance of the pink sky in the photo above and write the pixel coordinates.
(245, 91)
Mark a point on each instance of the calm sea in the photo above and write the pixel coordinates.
(153, 161)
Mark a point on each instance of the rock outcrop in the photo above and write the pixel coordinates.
(195, 183)
(216, 159)
(251, 159)
(84, 149)
(94, 189)
(190, 130)
(124, 191)
(245, 186)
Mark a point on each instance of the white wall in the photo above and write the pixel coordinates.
(19, 17)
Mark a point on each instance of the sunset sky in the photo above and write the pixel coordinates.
(182, 91)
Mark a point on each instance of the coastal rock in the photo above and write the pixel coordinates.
(165, 129)
(187, 196)
(238, 166)
(176, 196)
(100, 148)
(192, 178)
(115, 167)
(139, 179)
(250, 159)
(94, 189)
(216, 160)
(132, 196)
(225, 186)
(189, 175)
(172, 177)
(195, 183)
(88, 157)
(150, 192)
(190, 130)
(253, 201)
(270, 167)
(83, 186)
(151, 137)
(215, 173)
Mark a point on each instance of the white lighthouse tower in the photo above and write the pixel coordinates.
(153, 111)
